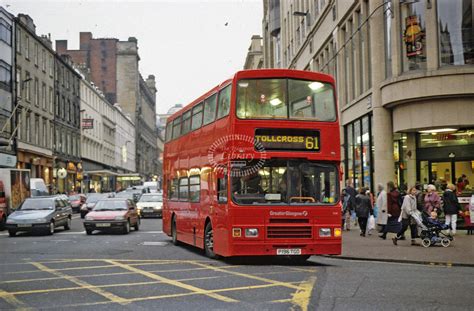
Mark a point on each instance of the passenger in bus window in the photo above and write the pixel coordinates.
(300, 185)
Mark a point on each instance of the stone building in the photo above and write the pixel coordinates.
(114, 69)
(254, 59)
(34, 80)
(7, 102)
(67, 122)
(405, 81)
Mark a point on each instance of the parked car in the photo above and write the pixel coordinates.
(77, 200)
(40, 214)
(38, 187)
(113, 214)
(150, 204)
(91, 200)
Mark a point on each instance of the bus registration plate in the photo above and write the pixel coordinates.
(289, 251)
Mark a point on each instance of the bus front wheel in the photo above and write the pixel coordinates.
(174, 233)
(209, 241)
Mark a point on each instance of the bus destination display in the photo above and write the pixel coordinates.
(287, 139)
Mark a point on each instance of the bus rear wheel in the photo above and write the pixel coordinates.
(174, 233)
(209, 241)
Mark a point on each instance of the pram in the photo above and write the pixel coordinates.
(431, 230)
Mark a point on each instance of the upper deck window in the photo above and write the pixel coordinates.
(176, 127)
(186, 125)
(285, 99)
(224, 102)
(210, 109)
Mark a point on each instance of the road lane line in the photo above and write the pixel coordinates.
(12, 300)
(83, 284)
(249, 276)
(302, 296)
(157, 277)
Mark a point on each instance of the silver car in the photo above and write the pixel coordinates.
(42, 214)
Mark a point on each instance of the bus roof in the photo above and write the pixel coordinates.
(257, 73)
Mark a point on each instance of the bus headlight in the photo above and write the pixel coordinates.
(337, 232)
(324, 232)
(236, 232)
(251, 233)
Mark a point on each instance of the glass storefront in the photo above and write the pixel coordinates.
(456, 32)
(413, 35)
(359, 152)
(444, 158)
(399, 156)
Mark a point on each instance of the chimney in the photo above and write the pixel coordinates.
(85, 40)
(151, 83)
(61, 46)
(47, 40)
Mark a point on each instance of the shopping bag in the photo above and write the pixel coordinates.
(371, 223)
(393, 225)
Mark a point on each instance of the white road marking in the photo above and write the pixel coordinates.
(83, 232)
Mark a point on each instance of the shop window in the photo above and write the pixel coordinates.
(456, 32)
(455, 138)
(413, 33)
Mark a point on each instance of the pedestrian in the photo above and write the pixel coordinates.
(345, 205)
(382, 207)
(408, 209)
(363, 210)
(393, 210)
(451, 208)
(351, 203)
(432, 202)
(420, 196)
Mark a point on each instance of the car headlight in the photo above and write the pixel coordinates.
(10, 221)
(139, 207)
(89, 218)
(157, 208)
(119, 218)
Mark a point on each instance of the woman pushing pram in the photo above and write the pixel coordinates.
(431, 230)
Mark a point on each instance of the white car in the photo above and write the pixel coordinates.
(150, 204)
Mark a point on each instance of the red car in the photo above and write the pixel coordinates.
(76, 201)
(112, 214)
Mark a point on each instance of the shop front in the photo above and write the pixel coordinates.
(446, 158)
(67, 177)
(40, 166)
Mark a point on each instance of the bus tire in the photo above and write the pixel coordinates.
(209, 242)
(174, 232)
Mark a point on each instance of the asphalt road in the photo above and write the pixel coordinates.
(144, 271)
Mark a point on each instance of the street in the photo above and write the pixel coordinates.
(144, 271)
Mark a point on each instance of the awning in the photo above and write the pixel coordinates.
(101, 173)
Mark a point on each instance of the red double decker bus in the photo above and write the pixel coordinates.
(252, 167)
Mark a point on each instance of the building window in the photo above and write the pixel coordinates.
(27, 127)
(5, 75)
(45, 132)
(456, 32)
(50, 100)
(36, 51)
(413, 32)
(27, 86)
(43, 60)
(359, 156)
(388, 38)
(27, 47)
(5, 32)
(18, 82)
(37, 95)
(37, 128)
(51, 66)
(43, 96)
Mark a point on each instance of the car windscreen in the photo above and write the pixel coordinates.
(112, 205)
(74, 198)
(93, 198)
(37, 204)
(151, 198)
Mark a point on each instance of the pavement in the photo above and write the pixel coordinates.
(373, 248)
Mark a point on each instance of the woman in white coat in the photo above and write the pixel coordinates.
(382, 206)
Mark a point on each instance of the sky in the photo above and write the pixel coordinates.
(190, 46)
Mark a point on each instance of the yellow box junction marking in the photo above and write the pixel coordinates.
(81, 283)
(302, 296)
(12, 300)
(152, 276)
